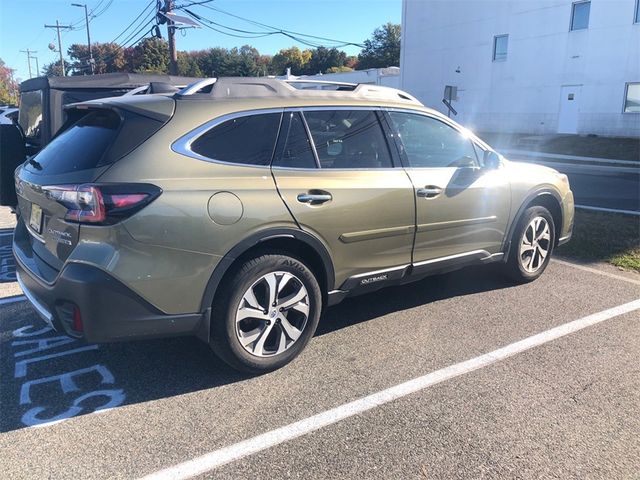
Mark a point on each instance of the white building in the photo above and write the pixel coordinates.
(527, 66)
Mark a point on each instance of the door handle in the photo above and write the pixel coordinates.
(314, 198)
(429, 191)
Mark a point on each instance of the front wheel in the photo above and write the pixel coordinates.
(266, 314)
(531, 245)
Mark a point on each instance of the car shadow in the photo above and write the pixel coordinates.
(144, 371)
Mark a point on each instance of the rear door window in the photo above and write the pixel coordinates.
(348, 139)
(246, 140)
(296, 150)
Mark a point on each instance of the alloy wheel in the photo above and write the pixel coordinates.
(535, 244)
(272, 314)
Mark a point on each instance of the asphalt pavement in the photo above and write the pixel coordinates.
(564, 409)
(604, 188)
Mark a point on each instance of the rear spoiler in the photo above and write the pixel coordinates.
(157, 107)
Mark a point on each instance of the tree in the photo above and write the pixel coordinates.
(339, 69)
(108, 58)
(291, 58)
(352, 62)
(323, 58)
(53, 69)
(382, 49)
(151, 55)
(8, 87)
(188, 65)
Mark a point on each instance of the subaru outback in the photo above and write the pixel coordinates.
(237, 209)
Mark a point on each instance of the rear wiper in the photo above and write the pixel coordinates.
(35, 164)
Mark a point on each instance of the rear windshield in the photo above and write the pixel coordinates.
(80, 147)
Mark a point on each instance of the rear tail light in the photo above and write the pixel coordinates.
(102, 204)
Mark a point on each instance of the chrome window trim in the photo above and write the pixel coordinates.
(375, 108)
(183, 144)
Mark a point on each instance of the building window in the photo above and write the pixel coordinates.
(632, 98)
(500, 45)
(580, 15)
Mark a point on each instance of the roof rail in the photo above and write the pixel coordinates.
(260, 87)
(321, 82)
(195, 87)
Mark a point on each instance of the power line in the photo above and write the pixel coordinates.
(288, 33)
(253, 34)
(130, 41)
(57, 26)
(134, 20)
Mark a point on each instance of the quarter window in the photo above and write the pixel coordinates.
(636, 17)
(348, 139)
(428, 142)
(247, 140)
(500, 46)
(632, 98)
(297, 151)
(580, 15)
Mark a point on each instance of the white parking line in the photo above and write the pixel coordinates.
(596, 271)
(234, 452)
(609, 210)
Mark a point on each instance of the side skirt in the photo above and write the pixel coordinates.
(372, 281)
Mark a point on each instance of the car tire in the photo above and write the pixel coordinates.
(266, 313)
(531, 245)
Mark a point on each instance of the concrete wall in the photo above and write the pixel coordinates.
(522, 93)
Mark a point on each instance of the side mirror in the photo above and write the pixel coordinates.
(490, 160)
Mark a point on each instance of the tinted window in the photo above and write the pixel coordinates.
(296, 151)
(30, 118)
(348, 139)
(81, 146)
(428, 142)
(246, 140)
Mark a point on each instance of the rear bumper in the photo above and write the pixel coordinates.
(110, 311)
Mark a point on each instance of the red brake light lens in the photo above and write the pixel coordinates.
(102, 204)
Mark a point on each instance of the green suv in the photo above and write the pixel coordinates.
(237, 209)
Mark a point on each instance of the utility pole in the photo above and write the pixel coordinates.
(57, 26)
(171, 35)
(37, 66)
(28, 52)
(86, 17)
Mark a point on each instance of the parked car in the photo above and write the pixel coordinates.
(237, 209)
(8, 115)
(42, 112)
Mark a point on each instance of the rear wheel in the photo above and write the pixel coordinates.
(266, 314)
(531, 245)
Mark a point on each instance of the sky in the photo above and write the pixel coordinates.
(22, 24)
